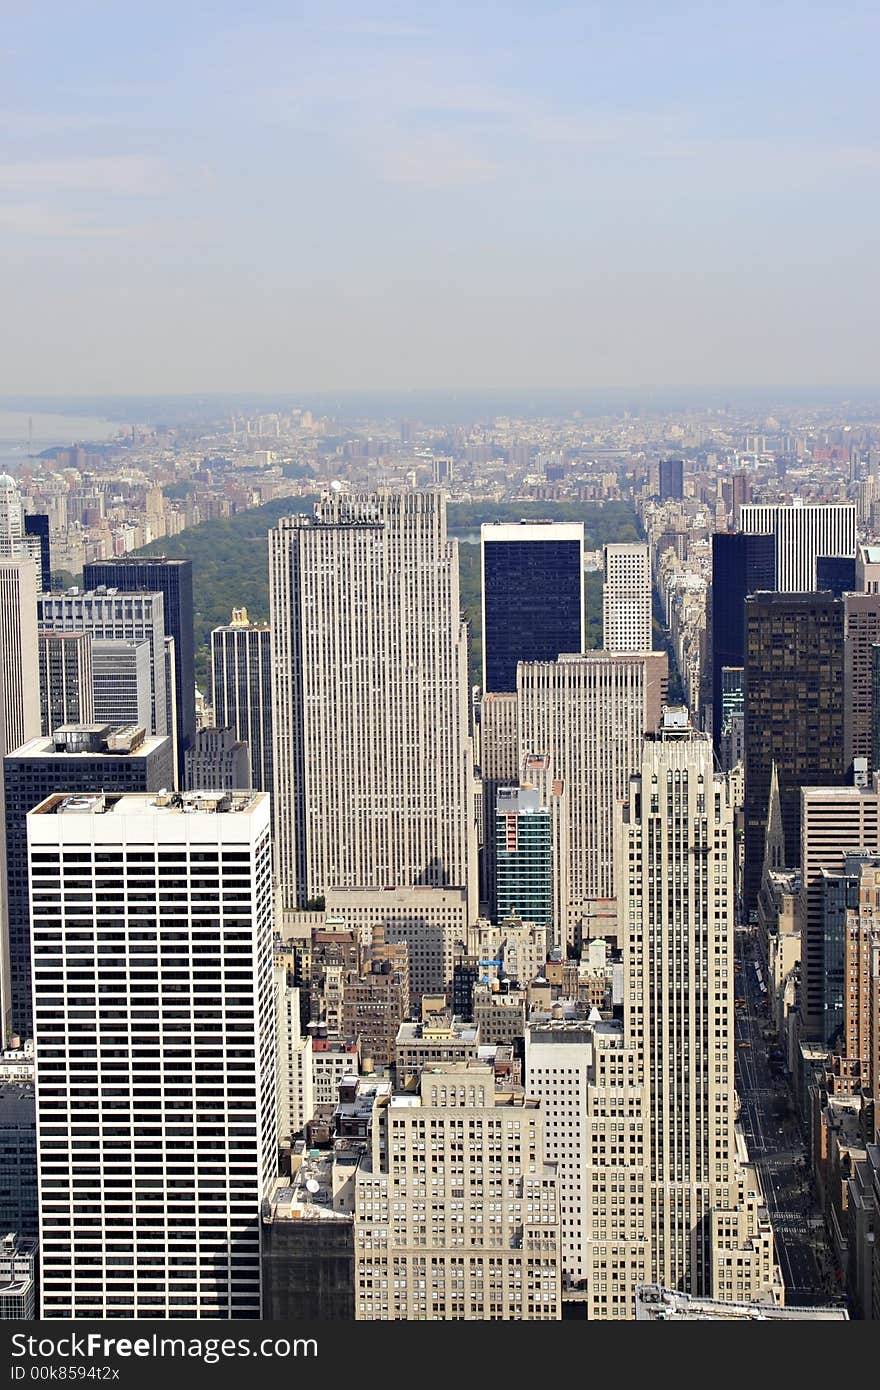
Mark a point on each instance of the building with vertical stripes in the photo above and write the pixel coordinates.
(804, 531)
(373, 756)
(626, 598)
(241, 685)
(156, 1088)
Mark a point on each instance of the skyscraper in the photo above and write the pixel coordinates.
(241, 683)
(19, 661)
(802, 532)
(66, 679)
(173, 580)
(794, 684)
(671, 479)
(626, 599)
(11, 517)
(589, 714)
(741, 565)
(373, 759)
(167, 1135)
(218, 760)
(524, 865)
(111, 616)
(533, 595)
(76, 759)
(121, 678)
(499, 766)
(862, 633)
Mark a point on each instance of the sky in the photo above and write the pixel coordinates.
(354, 194)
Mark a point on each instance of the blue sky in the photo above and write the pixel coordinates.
(295, 196)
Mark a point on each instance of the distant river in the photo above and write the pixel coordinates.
(48, 431)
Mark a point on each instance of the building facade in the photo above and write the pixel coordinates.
(154, 1150)
(241, 686)
(66, 680)
(533, 595)
(373, 757)
(626, 599)
(802, 532)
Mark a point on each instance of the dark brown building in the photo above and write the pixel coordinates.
(862, 632)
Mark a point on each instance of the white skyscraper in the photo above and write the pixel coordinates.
(11, 517)
(626, 599)
(804, 531)
(373, 759)
(589, 714)
(155, 1041)
(19, 651)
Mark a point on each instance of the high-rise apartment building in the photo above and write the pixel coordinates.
(589, 714)
(173, 580)
(241, 685)
(626, 599)
(741, 565)
(66, 679)
(524, 850)
(802, 532)
(373, 758)
(156, 1052)
(76, 759)
(112, 616)
(11, 517)
(533, 595)
(456, 1210)
(794, 701)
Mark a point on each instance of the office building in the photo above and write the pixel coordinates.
(438, 1040)
(802, 532)
(861, 991)
(836, 573)
(122, 681)
(499, 767)
(733, 730)
(19, 660)
(173, 580)
(373, 758)
(835, 821)
(842, 894)
(533, 595)
(524, 849)
(111, 616)
(18, 1158)
(241, 686)
(794, 684)
(376, 998)
(18, 1277)
(167, 1137)
(656, 1304)
(868, 569)
(76, 759)
(36, 543)
(66, 680)
(861, 636)
(741, 565)
(589, 714)
(481, 1241)
(671, 479)
(219, 760)
(640, 1111)
(626, 599)
(432, 921)
(11, 518)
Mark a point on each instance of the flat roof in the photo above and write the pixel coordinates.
(148, 803)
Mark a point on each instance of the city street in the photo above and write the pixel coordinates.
(773, 1138)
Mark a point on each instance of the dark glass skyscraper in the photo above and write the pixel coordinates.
(741, 565)
(173, 580)
(671, 479)
(38, 526)
(794, 704)
(533, 596)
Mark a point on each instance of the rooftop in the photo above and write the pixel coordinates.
(656, 1304)
(148, 803)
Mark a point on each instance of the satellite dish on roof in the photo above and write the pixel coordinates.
(336, 485)
(313, 1186)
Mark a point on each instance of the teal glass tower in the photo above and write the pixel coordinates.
(524, 857)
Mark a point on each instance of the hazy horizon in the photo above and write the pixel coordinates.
(405, 197)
